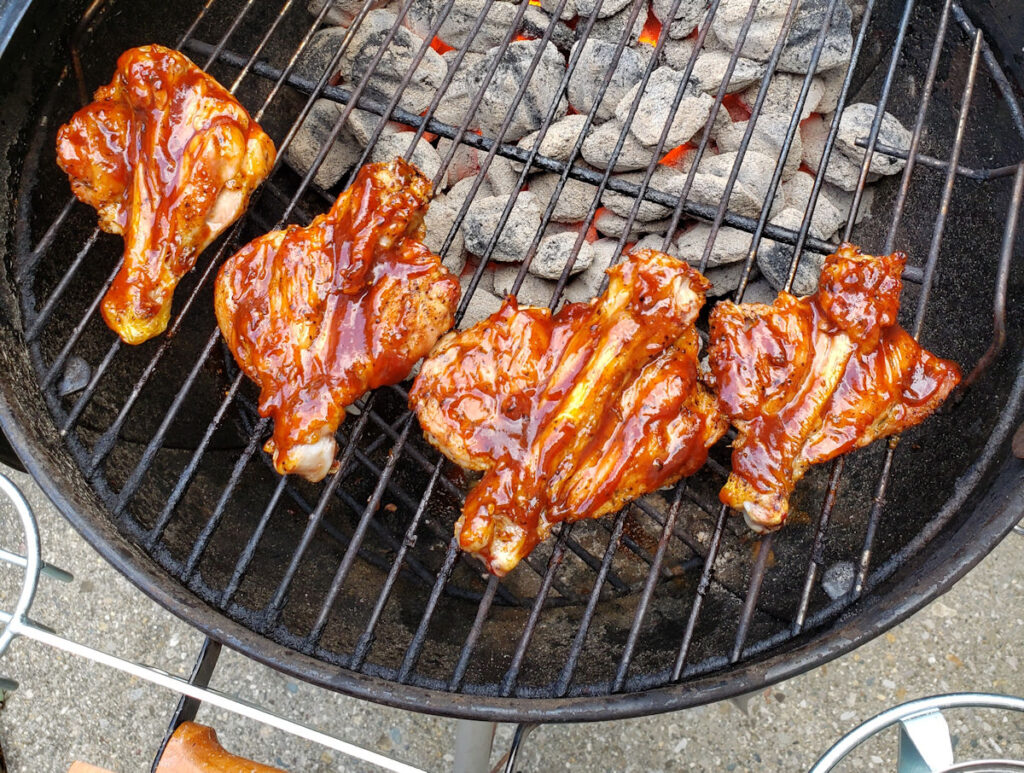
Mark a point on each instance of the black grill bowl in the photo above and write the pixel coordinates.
(250, 560)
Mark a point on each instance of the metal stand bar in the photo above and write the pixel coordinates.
(473, 742)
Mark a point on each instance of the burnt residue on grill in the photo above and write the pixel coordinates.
(357, 579)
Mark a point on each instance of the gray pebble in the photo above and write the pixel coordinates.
(75, 377)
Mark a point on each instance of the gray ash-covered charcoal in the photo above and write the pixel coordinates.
(663, 180)
(841, 171)
(316, 58)
(855, 124)
(731, 245)
(572, 203)
(767, 26)
(313, 134)
(341, 12)
(568, 9)
(767, 139)
(482, 304)
(517, 234)
(655, 109)
(755, 174)
(534, 290)
(595, 60)
(560, 138)
(599, 145)
(760, 291)
(724, 278)
(587, 284)
(498, 17)
(609, 224)
(710, 68)
(364, 125)
(612, 28)
(784, 94)
(438, 222)
(774, 259)
(554, 252)
(828, 217)
(394, 63)
(676, 53)
(685, 19)
(424, 157)
(541, 90)
(656, 242)
(607, 7)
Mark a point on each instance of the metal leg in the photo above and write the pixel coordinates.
(925, 745)
(473, 741)
(188, 706)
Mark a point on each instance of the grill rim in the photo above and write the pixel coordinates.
(800, 658)
(1002, 500)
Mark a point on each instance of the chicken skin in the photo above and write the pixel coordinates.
(168, 158)
(318, 315)
(807, 379)
(570, 416)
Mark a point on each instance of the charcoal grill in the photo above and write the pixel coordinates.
(153, 452)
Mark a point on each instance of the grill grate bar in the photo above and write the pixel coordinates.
(764, 555)
(58, 292)
(459, 674)
(576, 648)
(412, 652)
(648, 592)
(184, 479)
(922, 303)
(838, 466)
(246, 556)
(1002, 281)
(76, 333)
(278, 17)
(25, 270)
(367, 637)
(199, 547)
(356, 541)
(508, 681)
(937, 163)
(274, 607)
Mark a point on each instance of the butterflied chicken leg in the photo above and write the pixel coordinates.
(571, 415)
(168, 158)
(807, 379)
(318, 315)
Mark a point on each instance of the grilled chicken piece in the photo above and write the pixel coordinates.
(571, 416)
(168, 158)
(318, 315)
(807, 379)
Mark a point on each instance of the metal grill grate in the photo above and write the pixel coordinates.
(361, 572)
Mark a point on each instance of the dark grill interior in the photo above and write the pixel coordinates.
(361, 572)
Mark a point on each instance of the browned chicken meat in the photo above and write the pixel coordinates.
(807, 379)
(318, 315)
(571, 416)
(168, 158)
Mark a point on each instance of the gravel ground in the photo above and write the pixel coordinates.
(68, 708)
